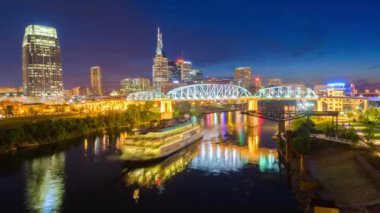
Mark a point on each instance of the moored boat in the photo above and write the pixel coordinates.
(161, 141)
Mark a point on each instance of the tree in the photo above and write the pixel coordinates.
(9, 110)
(181, 108)
(371, 114)
(32, 111)
(303, 123)
(350, 114)
(148, 105)
(369, 135)
(301, 141)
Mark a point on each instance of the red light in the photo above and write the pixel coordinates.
(180, 61)
(158, 182)
(257, 79)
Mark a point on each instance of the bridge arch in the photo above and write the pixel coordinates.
(286, 92)
(208, 92)
(145, 95)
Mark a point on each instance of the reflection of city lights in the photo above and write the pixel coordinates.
(218, 156)
(136, 195)
(45, 184)
(85, 147)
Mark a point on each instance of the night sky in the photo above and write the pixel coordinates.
(311, 41)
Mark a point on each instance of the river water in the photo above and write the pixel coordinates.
(234, 168)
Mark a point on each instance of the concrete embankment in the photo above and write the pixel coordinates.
(343, 179)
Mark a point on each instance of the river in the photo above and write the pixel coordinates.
(234, 168)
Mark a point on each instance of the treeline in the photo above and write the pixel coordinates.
(53, 130)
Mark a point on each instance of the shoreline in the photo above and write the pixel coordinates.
(22, 146)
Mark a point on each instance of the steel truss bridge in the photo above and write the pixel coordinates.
(286, 92)
(207, 92)
(145, 96)
(225, 92)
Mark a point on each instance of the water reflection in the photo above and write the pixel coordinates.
(45, 183)
(155, 175)
(225, 157)
(227, 146)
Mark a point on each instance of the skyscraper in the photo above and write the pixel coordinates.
(274, 82)
(174, 72)
(129, 85)
(41, 62)
(186, 67)
(160, 70)
(96, 81)
(243, 76)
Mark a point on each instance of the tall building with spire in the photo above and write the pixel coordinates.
(160, 69)
(41, 62)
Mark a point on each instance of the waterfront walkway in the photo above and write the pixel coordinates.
(341, 177)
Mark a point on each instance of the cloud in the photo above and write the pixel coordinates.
(374, 67)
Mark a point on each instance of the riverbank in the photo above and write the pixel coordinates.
(38, 132)
(333, 174)
(341, 177)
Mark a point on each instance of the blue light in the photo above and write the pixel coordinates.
(334, 84)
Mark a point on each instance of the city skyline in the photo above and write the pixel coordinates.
(344, 49)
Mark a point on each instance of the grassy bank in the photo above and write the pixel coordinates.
(33, 133)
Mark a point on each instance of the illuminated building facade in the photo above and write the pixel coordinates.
(11, 91)
(243, 77)
(41, 62)
(196, 76)
(336, 89)
(96, 81)
(174, 72)
(185, 68)
(220, 80)
(84, 91)
(297, 84)
(167, 86)
(274, 82)
(320, 89)
(129, 85)
(255, 84)
(243, 74)
(75, 91)
(160, 69)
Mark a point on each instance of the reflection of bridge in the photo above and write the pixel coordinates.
(212, 93)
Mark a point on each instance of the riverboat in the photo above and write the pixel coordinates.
(161, 141)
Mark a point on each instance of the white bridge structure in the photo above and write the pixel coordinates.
(145, 96)
(225, 92)
(286, 92)
(208, 92)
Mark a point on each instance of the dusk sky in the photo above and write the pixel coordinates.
(310, 41)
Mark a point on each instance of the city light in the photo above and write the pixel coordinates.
(275, 107)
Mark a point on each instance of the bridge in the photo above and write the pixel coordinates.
(211, 93)
(221, 92)
(286, 93)
(225, 92)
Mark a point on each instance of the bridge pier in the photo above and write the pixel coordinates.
(252, 104)
(253, 121)
(166, 109)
